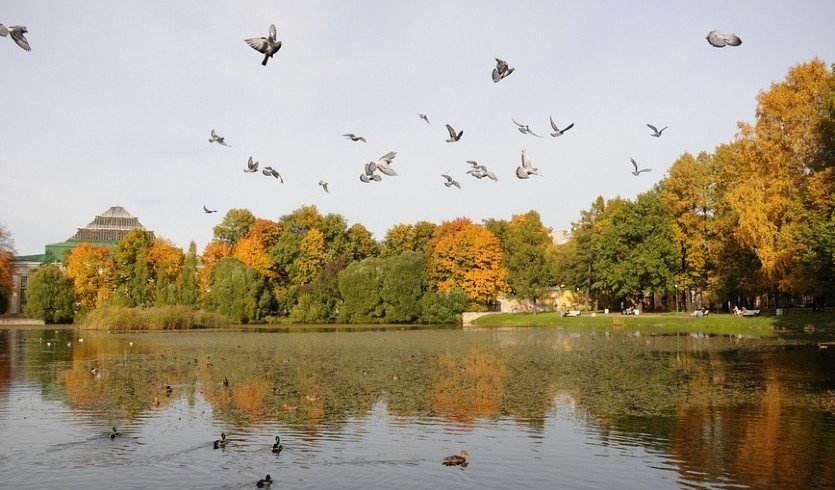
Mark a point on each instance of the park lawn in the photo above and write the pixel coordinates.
(797, 323)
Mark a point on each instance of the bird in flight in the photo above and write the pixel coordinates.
(719, 40)
(655, 131)
(216, 138)
(324, 185)
(501, 70)
(353, 137)
(252, 166)
(558, 131)
(480, 171)
(453, 137)
(271, 172)
(207, 210)
(382, 163)
(526, 170)
(267, 45)
(424, 117)
(524, 129)
(17, 33)
(368, 174)
(637, 172)
(450, 181)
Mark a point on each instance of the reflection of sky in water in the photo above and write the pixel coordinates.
(549, 410)
(171, 448)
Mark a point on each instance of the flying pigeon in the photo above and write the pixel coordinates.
(526, 170)
(217, 139)
(382, 164)
(655, 131)
(424, 117)
(501, 70)
(271, 172)
(207, 210)
(267, 45)
(17, 33)
(524, 129)
(453, 137)
(252, 166)
(719, 40)
(636, 172)
(324, 185)
(559, 131)
(450, 181)
(368, 174)
(480, 171)
(353, 137)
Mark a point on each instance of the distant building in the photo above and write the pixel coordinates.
(104, 231)
(560, 237)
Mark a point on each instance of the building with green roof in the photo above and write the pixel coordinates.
(104, 231)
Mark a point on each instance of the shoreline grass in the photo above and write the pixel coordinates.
(176, 317)
(808, 324)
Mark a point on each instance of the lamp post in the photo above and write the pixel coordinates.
(676, 288)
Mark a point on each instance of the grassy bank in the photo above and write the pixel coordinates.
(805, 323)
(163, 318)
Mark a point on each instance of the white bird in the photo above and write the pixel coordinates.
(524, 129)
(382, 164)
(480, 171)
(207, 210)
(527, 169)
(450, 181)
(17, 33)
(559, 131)
(216, 138)
(354, 137)
(501, 70)
(252, 166)
(269, 171)
(719, 40)
(324, 185)
(424, 117)
(655, 131)
(637, 172)
(453, 137)
(368, 174)
(267, 45)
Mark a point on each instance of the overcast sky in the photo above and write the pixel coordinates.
(115, 102)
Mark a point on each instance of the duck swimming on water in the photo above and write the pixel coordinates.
(220, 443)
(456, 459)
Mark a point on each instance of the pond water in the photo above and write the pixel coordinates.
(534, 408)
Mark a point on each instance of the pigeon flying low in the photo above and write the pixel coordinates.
(271, 172)
(525, 129)
(527, 169)
(17, 33)
(353, 137)
(207, 210)
(501, 70)
(655, 131)
(719, 40)
(252, 166)
(450, 181)
(267, 45)
(324, 185)
(637, 172)
(424, 117)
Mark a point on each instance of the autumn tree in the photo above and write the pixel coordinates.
(133, 270)
(252, 248)
(234, 226)
(166, 262)
(90, 268)
(526, 254)
(50, 296)
(466, 256)
(212, 254)
(6, 255)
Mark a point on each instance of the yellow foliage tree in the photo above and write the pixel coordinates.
(311, 257)
(467, 256)
(212, 254)
(252, 248)
(90, 269)
(167, 262)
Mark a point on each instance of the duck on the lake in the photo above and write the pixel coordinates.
(277, 447)
(220, 443)
(456, 459)
(114, 434)
(264, 482)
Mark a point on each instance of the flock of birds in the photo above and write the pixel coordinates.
(374, 170)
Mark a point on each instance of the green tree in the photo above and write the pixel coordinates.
(235, 225)
(50, 296)
(133, 270)
(445, 307)
(526, 253)
(319, 301)
(239, 292)
(636, 250)
(187, 289)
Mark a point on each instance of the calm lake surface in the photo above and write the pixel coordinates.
(535, 408)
